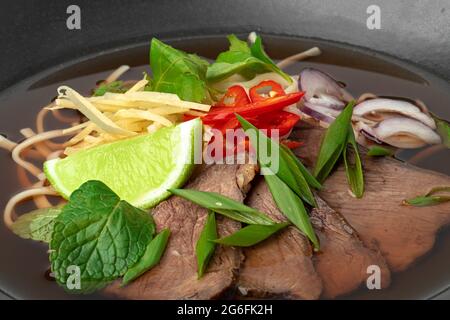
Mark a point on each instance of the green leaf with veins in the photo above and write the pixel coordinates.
(99, 233)
(244, 60)
(175, 71)
(36, 225)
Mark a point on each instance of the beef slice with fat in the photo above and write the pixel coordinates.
(176, 275)
(402, 233)
(282, 266)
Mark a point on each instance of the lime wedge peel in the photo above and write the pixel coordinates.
(139, 169)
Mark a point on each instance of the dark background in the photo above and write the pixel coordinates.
(34, 36)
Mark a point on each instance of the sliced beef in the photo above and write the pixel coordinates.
(402, 233)
(343, 260)
(176, 275)
(282, 265)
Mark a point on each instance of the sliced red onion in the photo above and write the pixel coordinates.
(380, 109)
(315, 83)
(328, 101)
(319, 112)
(366, 131)
(405, 133)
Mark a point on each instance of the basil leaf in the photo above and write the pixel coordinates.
(242, 59)
(354, 171)
(333, 144)
(377, 151)
(257, 50)
(429, 199)
(99, 235)
(205, 246)
(150, 258)
(290, 205)
(223, 205)
(293, 179)
(312, 181)
(175, 71)
(251, 235)
(36, 225)
(115, 87)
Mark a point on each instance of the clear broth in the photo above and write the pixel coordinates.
(23, 271)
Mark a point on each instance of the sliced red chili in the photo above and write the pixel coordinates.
(236, 96)
(253, 109)
(265, 90)
(187, 117)
(281, 120)
(291, 144)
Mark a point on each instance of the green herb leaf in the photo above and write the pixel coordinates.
(224, 205)
(377, 151)
(287, 170)
(175, 71)
(205, 246)
(290, 205)
(150, 258)
(242, 59)
(251, 235)
(312, 181)
(443, 129)
(99, 234)
(430, 199)
(36, 225)
(333, 144)
(115, 87)
(354, 171)
(257, 50)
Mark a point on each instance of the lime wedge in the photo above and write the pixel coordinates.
(138, 169)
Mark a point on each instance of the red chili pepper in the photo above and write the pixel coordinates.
(281, 120)
(236, 96)
(187, 117)
(265, 90)
(291, 144)
(253, 109)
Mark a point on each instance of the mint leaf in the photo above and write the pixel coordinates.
(175, 71)
(99, 234)
(36, 225)
(244, 60)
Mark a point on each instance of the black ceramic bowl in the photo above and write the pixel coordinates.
(39, 51)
